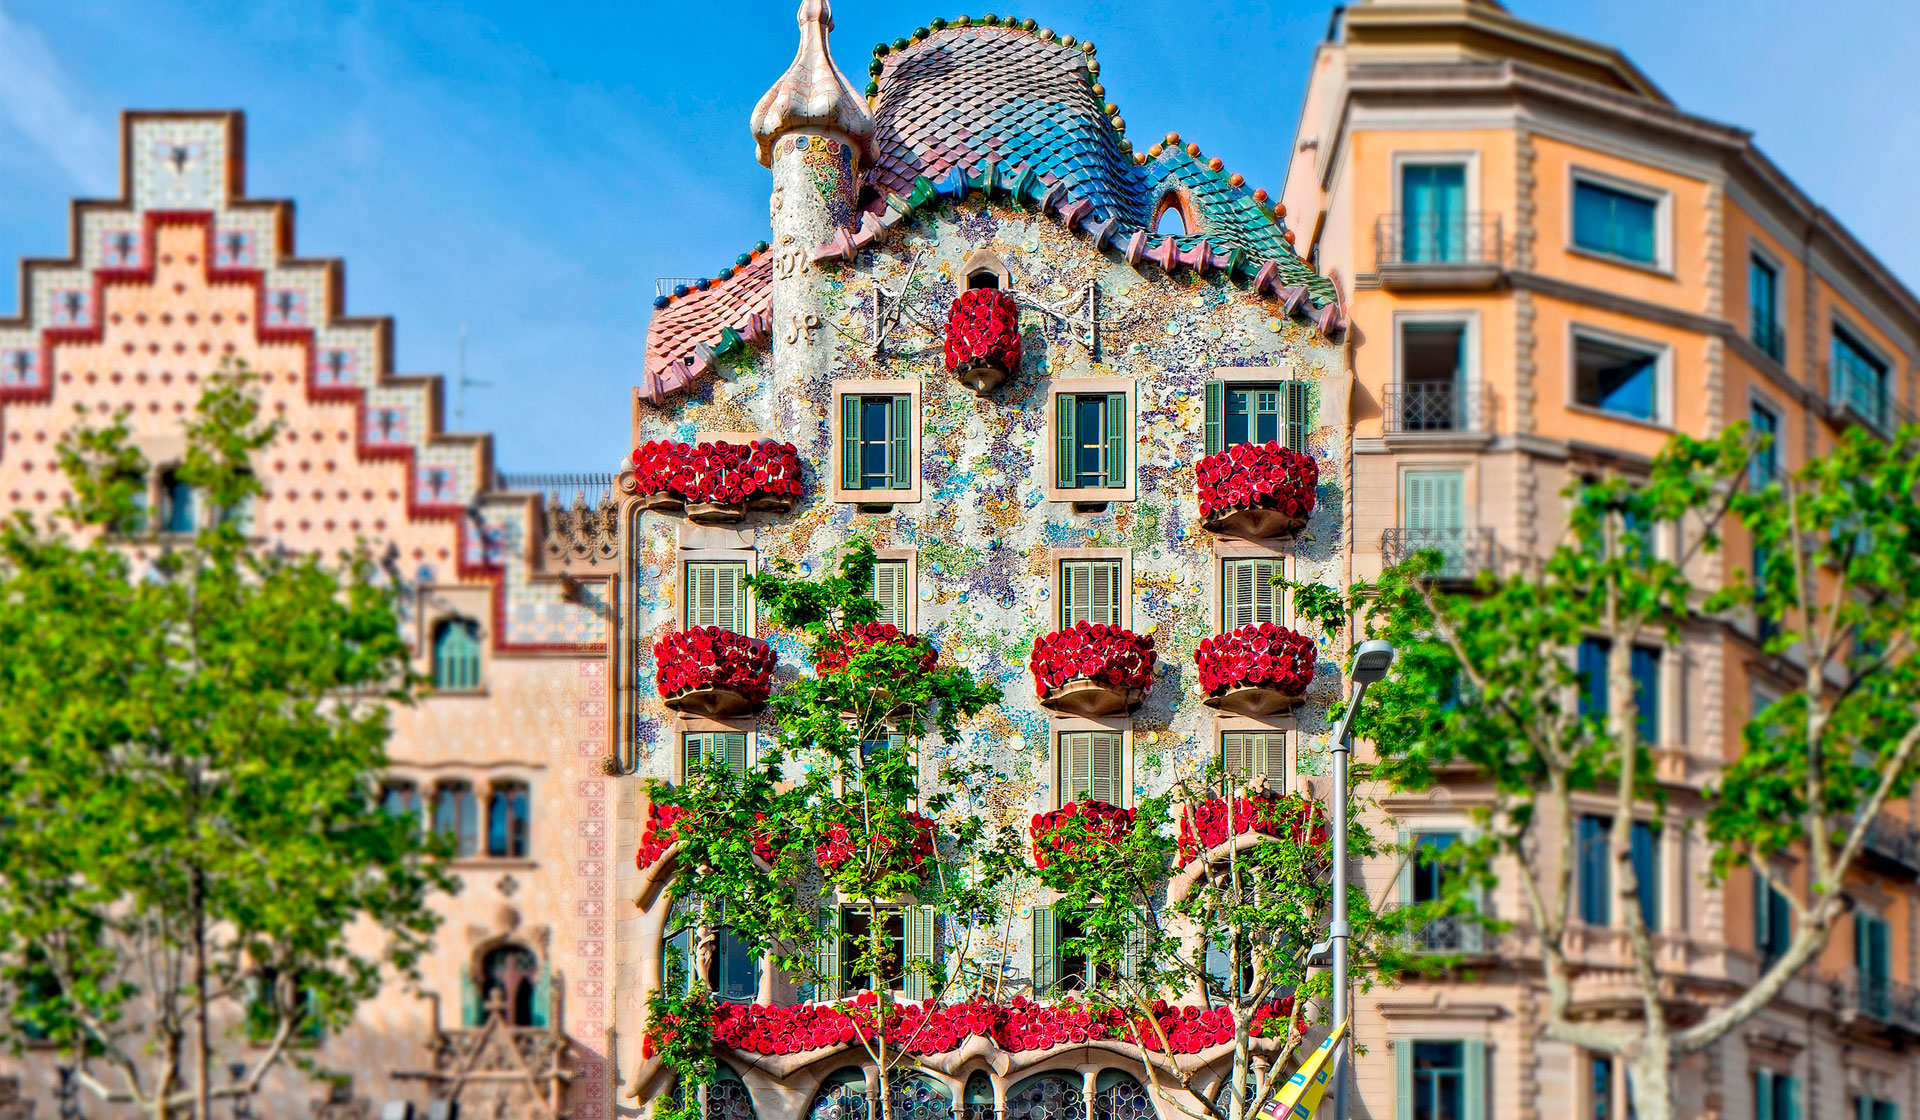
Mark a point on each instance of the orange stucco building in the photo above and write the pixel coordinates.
(1550, 269)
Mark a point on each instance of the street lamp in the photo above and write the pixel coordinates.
(1370, 663)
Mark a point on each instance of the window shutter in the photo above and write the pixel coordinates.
(1233, 757)
(1473, 1080)
(1073, 594)
(900, 462)
(1862, 1107)
(543, 994)
(1116, 440)
(1299, 427)
(1403, 1078)
(1791, 1105)
(1472, 934)
(1405, 884)
(730, 599)
(827, 953)
(1105, 783)
(1064, 443)
(1104, 599)
(1763, 1095)
(850, 443)
(1076, 766)
(700, 595)
(736, 748)
(1216, 392)
(470, 1010)
(920, 947)
(1271, 759)
(1046, 956)
(1762, 913)
(1133, 953)
(1240, 602)
(696, 746)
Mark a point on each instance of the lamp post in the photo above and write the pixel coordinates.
(1370, 663)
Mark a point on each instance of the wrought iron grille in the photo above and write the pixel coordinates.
(1439, 238)
(1895, 841)
(563, 486)
(915, 1098)
(1886, 1001)
(1431, 406)
(841, 1102)
(1465, 552)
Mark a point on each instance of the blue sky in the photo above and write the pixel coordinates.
(528, 169)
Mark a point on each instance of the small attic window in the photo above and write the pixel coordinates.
(983, 279)
(1170, 217)
(983, 268)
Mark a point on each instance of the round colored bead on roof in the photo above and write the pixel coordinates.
(1099, 90)
(679, 289)
(1236, 179)
(1029, 24)
(660, 302)
(725, 273)
(880, 48)
(1279, 209)
(1094, 68)
(703, 283)
(1154, 151)
(1126, 145)
(991, 20)
(1172, 139)
(1087, 46)
(939, 23)
(1193, 150)
(1289, 236)
(1260, 194)
(900, 44)
(1066, 40)
(759, 246)
(1214, 164)
(873, 87)
(1119, 124)
(1139, 158)
(921, 33)
(963, 21)
(876, 65)
(1046, 34)
(743, 259)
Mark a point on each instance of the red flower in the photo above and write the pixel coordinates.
(1104, 822)
(844, 644)
(1262, 654)
(983, 328)
(1265, 474)
(709, 657)
(717, 471)
(833, 852)
(662, 829)
(1294, 818)
(1097, 652)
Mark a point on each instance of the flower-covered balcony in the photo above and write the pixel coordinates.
(1060, 833)
(983, 339)
(715, 483)
(1257, 491)
(1257, 670)
(1092, 669)
(1209, 826)
(711, 672)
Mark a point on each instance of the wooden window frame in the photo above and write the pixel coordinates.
(911, 556)
(688, 556)
(1059, 556)
(1660, 197)
(1251, 725)
(874, 387)
(1076, 725)
(1231, 376)
(1050, 455)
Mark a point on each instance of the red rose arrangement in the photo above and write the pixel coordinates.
(710, 657)
(1262, 474)
(834, 851)
(1091, 651)
(983, 328)
(1205, 826)
(1018, 1026)
(727, 473)
(1104, 823)
(662, 829)
(842, 645)
(1258, 655)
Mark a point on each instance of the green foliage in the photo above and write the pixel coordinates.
(190, 757)
(680, 1033)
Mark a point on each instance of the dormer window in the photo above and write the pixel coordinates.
(983, 268)
(983, 280)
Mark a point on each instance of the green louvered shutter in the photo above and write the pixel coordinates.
(1104, 596)
(850, 443)
(890, 591)
(1076, 766)
(827, 952)
(1046, 956)
(1249, 593)
(1104, 778)
(694, 744)
(700, 595)
(1433, 500)
(900, 433)
(1403, 1079)
(1216, 395)
(1473, 1080)
(1763, 1095)
(1116, 440)
(920, 947)
(734, 743)
(1270, 758)
(1233, 757)
(730, 597)
(1862, 1107)
(1405, 882)
(1133, 953)
(1073, 593)
(1064, 458)
(1299, 422)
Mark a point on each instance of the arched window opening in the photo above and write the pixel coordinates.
(179, 512)
(400, 799)
(842, 1096)
(511, 972)
(1170, 217)
(507, 821)
(983, 268)
(1118, 1096)
(977, 1100)
(457, 815)
(727, 1097)
(1046, 1097)
(456, 654)
(919, 1097)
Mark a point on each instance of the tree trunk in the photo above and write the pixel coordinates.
(202, 1044)
(1650, 1075)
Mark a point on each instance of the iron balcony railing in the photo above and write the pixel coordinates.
(1882, 1000)
(1465, 552)
(1894, 841)
(1433, 406)
(1867, 393)
(590, 485)
(1449, 935)
(1770, 337)
(1438, 239)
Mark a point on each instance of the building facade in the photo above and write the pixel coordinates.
(1550, 269)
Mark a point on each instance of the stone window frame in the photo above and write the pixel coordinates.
(1057, 556)
(874, 387)
(1048, 459)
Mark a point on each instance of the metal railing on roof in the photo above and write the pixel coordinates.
(564, 486)
(664, 285)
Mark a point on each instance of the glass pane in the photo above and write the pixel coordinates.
(736, 967)
(874, 425)
(1613, 222)
(1615, 378)
(1434, 219)
(1429, 874)
(1089, 427)
(1246, 418)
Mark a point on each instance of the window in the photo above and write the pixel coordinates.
(1055, 969)
(734, 973)
(1591, 663)
(855, 929)
(507, 821)
(1871, 959)
(1776, 1096)
(1596, 878)
(1433, 200)
(136, 519)
(1600, 1087)
(1430, 870)
(511, 973)
(400, 799)
(1645, 849)
(1239, 413)
(179, 510)
(1245, 755)
(1871, 1108)
(456, 654)
(1763, 308)
(1859, 379)
(1765, 465)
(893, 591)
(1090, 766)
(876, 442)
(1772, 919)
(728, 746)
(1434, 500)
(1433, 367)
(1615, 222)
(1090, 591)
(1247, 593)
(717, 594)
(1441, 1079)
(1091, 433)
(1425, 876)
(263, 1009)
(456, 814)
(240, 514)
(1624, 380)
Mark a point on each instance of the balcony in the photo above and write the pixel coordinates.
(1860, 391)
(1438, 250)
(1893, 845)
(1429, 412)
(1879, 1006)
(1465, 552)
(1450, 935)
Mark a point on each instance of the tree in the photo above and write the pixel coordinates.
(834, 812)
(1493, 678)
(190, 756)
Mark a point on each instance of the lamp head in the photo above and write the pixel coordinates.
(1371, 660)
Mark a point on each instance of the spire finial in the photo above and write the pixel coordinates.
(813, 93)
